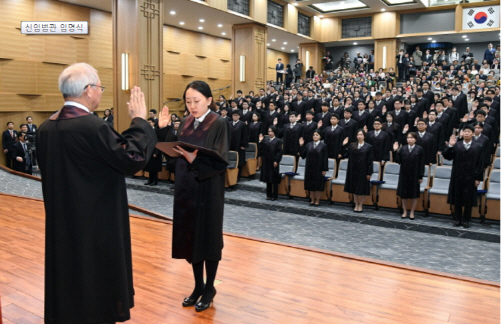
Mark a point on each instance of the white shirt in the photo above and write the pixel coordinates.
(421, 134)
(411, 148)
(201, 119)
(334, 127)
(76, 104)
(360, 145)
(377, 132)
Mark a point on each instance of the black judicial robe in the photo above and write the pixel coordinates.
(361, 119)
(308, 131)
(359, 167)
(197, 232)
(270, 151)
(88, 264)
(239, 138)
(429, 144)
(381, 145)
(411, 171)
(316, 162)
(334, 141)
(466, 168)
(291, 138)
(254, 130)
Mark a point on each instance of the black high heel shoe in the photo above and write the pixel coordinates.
(199, 307)
(192, 300)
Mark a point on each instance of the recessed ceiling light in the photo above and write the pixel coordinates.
(355, 43)
(295, 3)
(273, 40)
(429, 38)
(172, 12)
(283, 48)
(383, 9)
(285, 43)
(268, 44)
(292, 50)
(200, 27)
(433, 41)
(181, 22)
(223, 33)
(219, 25)
(464, 36)
(466, 39)
(202, 20)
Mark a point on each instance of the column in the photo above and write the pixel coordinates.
(248, 56)
(137, 31)
(384, 54)
(311, 55)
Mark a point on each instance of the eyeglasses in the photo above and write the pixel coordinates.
(95, 85)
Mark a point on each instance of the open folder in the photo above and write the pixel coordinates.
(168, 148)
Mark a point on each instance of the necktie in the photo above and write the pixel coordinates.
(315, 145)
(12, 134)
(26, 156)
(467, 146)
(360, 145)
(376, 133)
(397, 112)
(410, 149)
(421, 135)
(292, 126)
(196, 123)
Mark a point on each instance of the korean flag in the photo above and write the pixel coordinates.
(481, 17)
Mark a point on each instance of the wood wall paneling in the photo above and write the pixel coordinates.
(391, 47)
(101, 39)
(46, 73)
(259, 11)
(290, 18)
(18, 77)
(385, 25)
(12, 12)
(330, 29)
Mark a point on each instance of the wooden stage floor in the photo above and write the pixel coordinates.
(259, 282)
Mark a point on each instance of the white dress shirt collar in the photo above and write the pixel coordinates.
(201, 119)
(76, 104)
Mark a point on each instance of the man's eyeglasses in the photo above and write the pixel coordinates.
(95, 85)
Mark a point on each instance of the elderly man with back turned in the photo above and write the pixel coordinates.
(88, 263)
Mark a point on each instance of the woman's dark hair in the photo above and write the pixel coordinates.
(107, 110)
(204, 89)
(273, 129)
(258, 116)
(413, 134)
(354, 145)
(220, 96)
(288, 66)
(317, 132)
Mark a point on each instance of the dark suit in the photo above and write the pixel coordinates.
(8, 143)
(32, 128)
(310, 74)
(280, 76)
(26, 166)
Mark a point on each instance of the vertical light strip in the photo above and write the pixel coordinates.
(307, 60)
(242, 68)
(384, 57)
(125, 71)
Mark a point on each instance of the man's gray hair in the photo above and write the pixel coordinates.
(75, 78)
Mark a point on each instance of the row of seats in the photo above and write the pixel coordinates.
(434, 187)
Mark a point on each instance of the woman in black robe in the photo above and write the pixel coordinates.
(255, 128)
(270, 150)
(199, 192)
(411, 160)
(155, 163)
(359, 170)
(317, 165)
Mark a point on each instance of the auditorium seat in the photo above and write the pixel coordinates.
(387, 191)
(329, 176)
(479, 211)
(375, 182)
(492, 196)
(287, 167)
(336, 189)
(496, 164)
(436, 196)
(296, 182)
(250, 166)
(164, 174)
(443, 161)
(232, 169)
(422, 203)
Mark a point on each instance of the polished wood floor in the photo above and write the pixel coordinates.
(258, 282)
